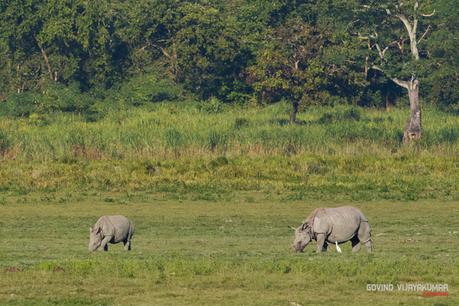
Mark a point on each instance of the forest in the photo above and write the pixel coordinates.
(73, 56)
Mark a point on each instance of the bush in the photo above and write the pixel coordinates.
(173, 139)
(212, 106)
(240, 123)
(216, 139)
(54, 97)
(20, 105)
(148, 88)
(348, 114)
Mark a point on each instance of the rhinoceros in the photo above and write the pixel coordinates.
(113, 229)
(334, 225)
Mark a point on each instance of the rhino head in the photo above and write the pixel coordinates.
(95, 238)
(303, 236)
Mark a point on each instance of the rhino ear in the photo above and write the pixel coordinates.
(304, 226)
(99, 229)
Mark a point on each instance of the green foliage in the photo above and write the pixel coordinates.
(54, 98)
(173, 138)
(347, 114)
(212, 106)
(216, 139)
(148, 88)
(346, 153)
(237, 51)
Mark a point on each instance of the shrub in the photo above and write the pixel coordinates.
(240, 123)
(20, 105)
(173, 139)
(348, 114)
(148, 88)
(55, 97)
(212, 106)
(215, 139)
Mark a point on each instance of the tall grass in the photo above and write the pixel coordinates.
(342, 152)
(192, 131)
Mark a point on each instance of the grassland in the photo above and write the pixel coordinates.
(212, 191)
(210, 151)
(224, 253)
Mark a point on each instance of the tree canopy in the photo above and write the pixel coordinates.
(304, 51)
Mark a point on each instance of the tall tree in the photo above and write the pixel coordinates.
(393, 25)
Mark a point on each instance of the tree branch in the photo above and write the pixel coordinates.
(45, 57)
(404, 84)
(381, 52)
(428, 15)
(425, 33)
(411, 28)
(377, 68)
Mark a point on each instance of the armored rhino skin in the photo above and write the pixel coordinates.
(113, 229)
(334, 225)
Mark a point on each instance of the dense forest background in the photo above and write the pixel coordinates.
(82, 56)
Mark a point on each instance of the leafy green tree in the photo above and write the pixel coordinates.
(287, 68)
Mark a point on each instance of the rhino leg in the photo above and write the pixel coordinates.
(364, 236)
(105, 241)
(127, 245)
(320, 242)
(355, 244)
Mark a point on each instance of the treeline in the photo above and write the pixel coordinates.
(78, 55)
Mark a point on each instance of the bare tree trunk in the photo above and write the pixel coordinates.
(295, 105)
(413, 128)
(45, 57)
(173, 61)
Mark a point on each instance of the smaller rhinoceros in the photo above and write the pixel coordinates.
(334, 225)
(111, 229)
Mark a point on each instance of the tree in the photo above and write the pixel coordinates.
(395, 23)
(287, 67)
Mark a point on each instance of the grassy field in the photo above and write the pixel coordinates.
(204, 129)
(209, 151)
(231, 252)
(213, 190)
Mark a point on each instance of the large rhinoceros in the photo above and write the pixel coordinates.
(334, 225)
(113, 229)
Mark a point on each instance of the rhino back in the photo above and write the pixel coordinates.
(345, 222)
(117, 226)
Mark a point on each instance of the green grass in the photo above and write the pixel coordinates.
(212, 190)
(184, 127)
(200, 151)
(233, 252)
